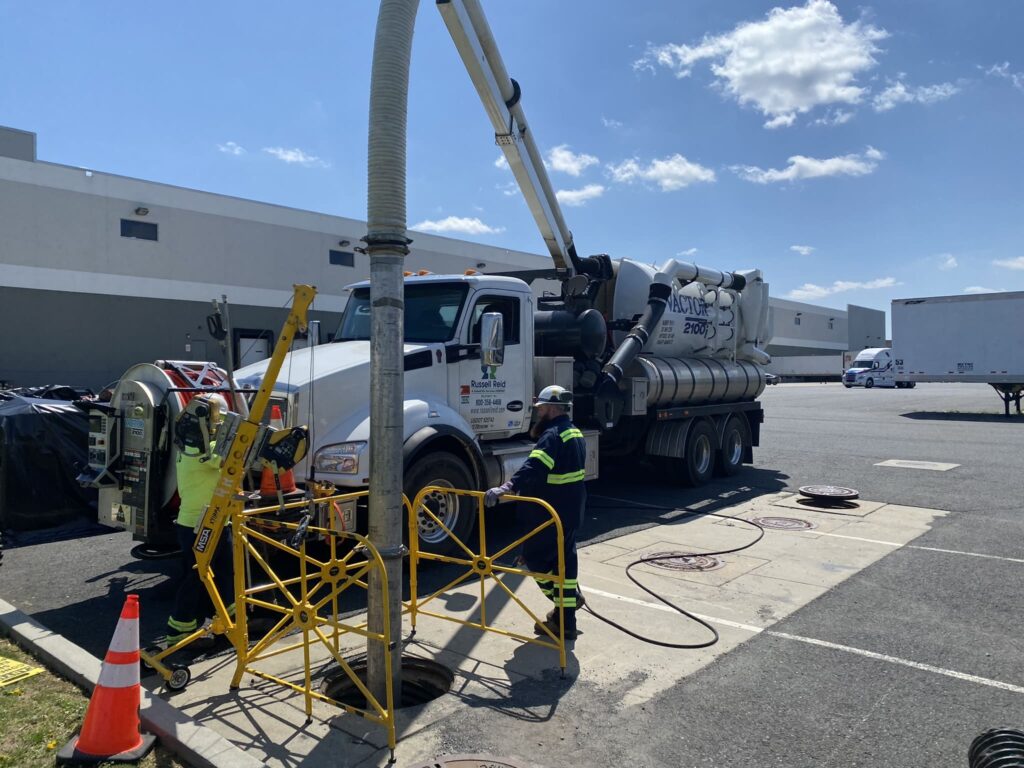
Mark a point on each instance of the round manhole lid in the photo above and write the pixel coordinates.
(473, 761)
(828, 493)
(680, 561)
(784, 523)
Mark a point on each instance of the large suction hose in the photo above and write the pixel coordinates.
(387, 246)
(608, 403)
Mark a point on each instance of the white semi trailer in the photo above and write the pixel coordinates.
(962, 339)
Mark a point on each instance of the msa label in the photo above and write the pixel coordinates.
(203, 540)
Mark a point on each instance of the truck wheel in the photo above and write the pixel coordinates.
(848, 386)
(911, 384)
(735, 438)
(869, 383)
(699, 462)
(458, 513)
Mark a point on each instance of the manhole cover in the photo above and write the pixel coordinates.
(680, 561)
(784, 523)
(473, 761)
(828, 493)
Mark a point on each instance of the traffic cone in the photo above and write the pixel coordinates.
(110, 731)
(287, 477)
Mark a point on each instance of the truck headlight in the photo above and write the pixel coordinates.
(340, 458)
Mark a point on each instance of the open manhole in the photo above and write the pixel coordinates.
(829, 494)
(784, 523)
(680, 561)
(474, 761)
(423, 680)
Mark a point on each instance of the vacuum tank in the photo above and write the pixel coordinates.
(707, 345)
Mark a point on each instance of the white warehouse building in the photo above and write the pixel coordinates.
(99, 272)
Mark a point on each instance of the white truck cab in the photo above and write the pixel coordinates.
(871, 368)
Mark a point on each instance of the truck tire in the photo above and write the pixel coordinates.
(457, 512)
(869, 383)
(735, 438)
(699, 462)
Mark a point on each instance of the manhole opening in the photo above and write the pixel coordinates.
(423, 680)
(680, 561)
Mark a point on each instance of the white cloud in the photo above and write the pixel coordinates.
(1003, 71)
(296, 156)
(502, 163)
(899, 93)
(608, 122)
(835, 117)
(792, 61)
(670, 173)
(688, 252)
(578, 197)
(561, 158)
(508, 189)
(1017, 263)
(982, 289)
(803, 250)
(947, 261)
(458, 224)
(801, 167)
(810, 291)
(231, 148)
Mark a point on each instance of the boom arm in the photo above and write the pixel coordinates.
(501, 98)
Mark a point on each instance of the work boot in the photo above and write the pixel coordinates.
(551, 622)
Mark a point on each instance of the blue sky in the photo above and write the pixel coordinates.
(855, 153)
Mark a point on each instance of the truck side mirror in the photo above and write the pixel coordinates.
(492, 339)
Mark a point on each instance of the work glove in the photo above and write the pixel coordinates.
(493, 495)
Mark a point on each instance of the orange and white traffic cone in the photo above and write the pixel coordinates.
(110, 731)
(286, 477)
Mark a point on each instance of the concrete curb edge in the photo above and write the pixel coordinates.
(197, 744)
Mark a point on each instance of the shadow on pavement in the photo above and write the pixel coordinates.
(958, 416)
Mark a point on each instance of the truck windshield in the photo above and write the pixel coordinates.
(432, 312)
(863, 362)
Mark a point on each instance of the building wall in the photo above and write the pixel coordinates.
(87, 302)
(800, 329)
(867, 328)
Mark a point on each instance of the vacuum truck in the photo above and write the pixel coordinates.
(665, 360)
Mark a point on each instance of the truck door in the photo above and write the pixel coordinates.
(494, 399)
(886, 378)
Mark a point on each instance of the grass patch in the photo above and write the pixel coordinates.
(39, 715)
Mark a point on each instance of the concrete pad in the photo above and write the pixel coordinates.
(934, 466)
(757, 587)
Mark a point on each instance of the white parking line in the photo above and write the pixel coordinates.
(934, 466)
(917, 546)
(823, 644)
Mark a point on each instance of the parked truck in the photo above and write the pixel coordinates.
(873, 367)
(969, 338)
(665, 360)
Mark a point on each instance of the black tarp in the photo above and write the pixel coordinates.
(43, 447)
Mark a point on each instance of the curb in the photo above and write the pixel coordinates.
(197, 744)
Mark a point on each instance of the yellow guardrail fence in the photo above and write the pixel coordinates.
(486, 567)
(308, 603)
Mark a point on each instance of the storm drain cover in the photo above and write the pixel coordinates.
(680, 561)
(784, 523)
(473, 761)
(828, 493)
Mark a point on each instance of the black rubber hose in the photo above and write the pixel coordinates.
(997, 748)
(664, 643)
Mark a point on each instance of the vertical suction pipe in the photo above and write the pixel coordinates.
(387, 246)
(608, 388)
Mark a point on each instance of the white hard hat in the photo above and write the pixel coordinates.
(554, 395)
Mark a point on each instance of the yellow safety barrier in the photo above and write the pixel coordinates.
(486, 566)
(311, 600)
(308, 603)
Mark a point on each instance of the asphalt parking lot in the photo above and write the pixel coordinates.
(915, 654)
